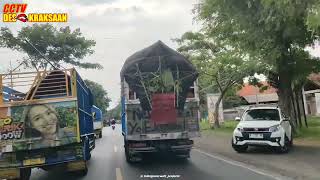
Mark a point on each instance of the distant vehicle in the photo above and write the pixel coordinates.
(107, 122)
(113, 124)
(97, 121)
(160, 103)
(45, 124)
(263, 126)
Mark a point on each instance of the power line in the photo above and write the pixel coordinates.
(55, 68)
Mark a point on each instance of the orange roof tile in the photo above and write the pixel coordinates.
(248, 90)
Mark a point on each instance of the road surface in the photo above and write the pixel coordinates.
(108, 163)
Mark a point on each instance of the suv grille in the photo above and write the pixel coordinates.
(256, 129)
(266, 136)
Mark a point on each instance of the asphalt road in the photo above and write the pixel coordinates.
(108, 163)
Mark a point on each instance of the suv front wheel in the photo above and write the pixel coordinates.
(286, 147)
(239, 148)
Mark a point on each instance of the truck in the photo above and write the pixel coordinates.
(97, 121)
(159, 103)
(45, 122)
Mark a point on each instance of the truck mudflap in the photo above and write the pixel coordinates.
(15, 173)
(10, 173)
(76, 166)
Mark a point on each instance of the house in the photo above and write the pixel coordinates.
(310, 91)
(253, 95)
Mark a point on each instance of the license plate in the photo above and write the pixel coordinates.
(29, 162)
(256, 136)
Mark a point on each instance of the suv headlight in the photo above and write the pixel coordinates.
(274, 128)
(239, 128)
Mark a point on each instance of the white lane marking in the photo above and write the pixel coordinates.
(118, 174)
(239, 164)
(115, 148)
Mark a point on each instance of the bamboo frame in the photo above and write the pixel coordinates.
(67, 83)
(74, 94)
(11, 80)
(37, 85)
(50, 90)
(145, 89)
(18, 77)
(20, 85)
(74, 83)
(50, 83)
(56, 94)
(18, 73)
(15, 82)
(51, 87)
(1, 90)
(51, 79)
(34, 81)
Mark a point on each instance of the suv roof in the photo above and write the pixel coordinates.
(264, 106)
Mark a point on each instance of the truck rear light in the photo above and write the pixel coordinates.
(137, 145)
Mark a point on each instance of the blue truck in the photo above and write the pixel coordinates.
(97, 121)
(45, 122)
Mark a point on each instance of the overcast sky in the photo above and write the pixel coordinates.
(119, 27)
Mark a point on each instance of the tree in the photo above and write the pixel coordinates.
(114, 113)
(231, 99)
(276, 31)
(100, 95)
(220, 64)
(45, 45)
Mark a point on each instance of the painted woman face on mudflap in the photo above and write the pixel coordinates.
(43, 119)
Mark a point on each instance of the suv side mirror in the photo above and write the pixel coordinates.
(286, 119)
(237, 118)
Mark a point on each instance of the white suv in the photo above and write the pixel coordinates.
(262, 126)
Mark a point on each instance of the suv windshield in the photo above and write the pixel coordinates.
(262, 115)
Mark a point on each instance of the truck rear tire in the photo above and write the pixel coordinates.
(100, 134)
(84, 171)
(127, 154)
(25, 174)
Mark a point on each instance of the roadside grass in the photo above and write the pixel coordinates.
(311, 133)
(227, 127)
(313, 130)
